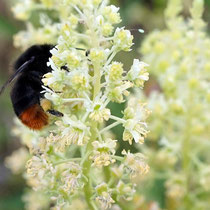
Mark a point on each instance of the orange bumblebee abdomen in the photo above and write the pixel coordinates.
(34, 117)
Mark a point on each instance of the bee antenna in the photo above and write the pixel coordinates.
(19, 70)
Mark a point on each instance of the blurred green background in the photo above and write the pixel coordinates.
(146, 14)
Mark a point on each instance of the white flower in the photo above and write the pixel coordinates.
(73, 131)
(100, 20)
(70, 177)
(98, 55)
(22, 10)
(134, 130)
(103, 196)
(54, 77)
(39, 166)
(79, 80)
(135, 127)
(102, 152)
(57, 142)
(40, 172)
(36, 200)
(73, 150)
(45, 35)
(100, 115)
(107, 29)
(175, 186)
(97, 109)
(22, 155)
(127, 191)
(111, 14)
(116, 92)
(114, 71)
(123, 40)
(135, 163)
(205, 178)
(138, 73)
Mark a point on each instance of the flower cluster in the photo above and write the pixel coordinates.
(179, 58)
(73, 161)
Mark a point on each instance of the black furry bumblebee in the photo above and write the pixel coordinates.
(28, 102)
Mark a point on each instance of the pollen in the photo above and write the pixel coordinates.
(34, 117)
(46, 104)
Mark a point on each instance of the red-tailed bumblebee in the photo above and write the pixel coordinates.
(27, 98)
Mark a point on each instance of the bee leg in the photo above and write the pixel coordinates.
(47, 107)
(55, 113)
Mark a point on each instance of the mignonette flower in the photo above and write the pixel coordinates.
(79, 80)
(22, 13)
(123, 40)
(83, 80)
(11, 162)
(118, 171)
(111, 14)
(102, 152)
(70, 177)
(138, 73)
(97, 110)
(103, 196)
(107, 29)
(135, 127)
(118, 91)
(73, 131)
(127, 191)
(97, 55)
(134, 130)
(179, 60)
(115, 71)
(58, 143)
(135, 163)
(175, 187)
(38, 166)
(36, 200)
(99, 115)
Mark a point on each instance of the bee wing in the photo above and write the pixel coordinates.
(20, 69)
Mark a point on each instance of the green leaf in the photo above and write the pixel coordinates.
(6, 27)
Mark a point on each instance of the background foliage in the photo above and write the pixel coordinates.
(146, 14)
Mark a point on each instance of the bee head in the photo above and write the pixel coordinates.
(41, 53)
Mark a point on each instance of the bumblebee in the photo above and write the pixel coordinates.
(27, 98)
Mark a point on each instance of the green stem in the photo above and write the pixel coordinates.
(67, 160)
(118, 157)
(111, 182)
(88, 191)
(107, 173)
(117, 119)
(186, 149)
(186, 164)
(109, 127)
(97, 71)
(97, 80)
(123, 206)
